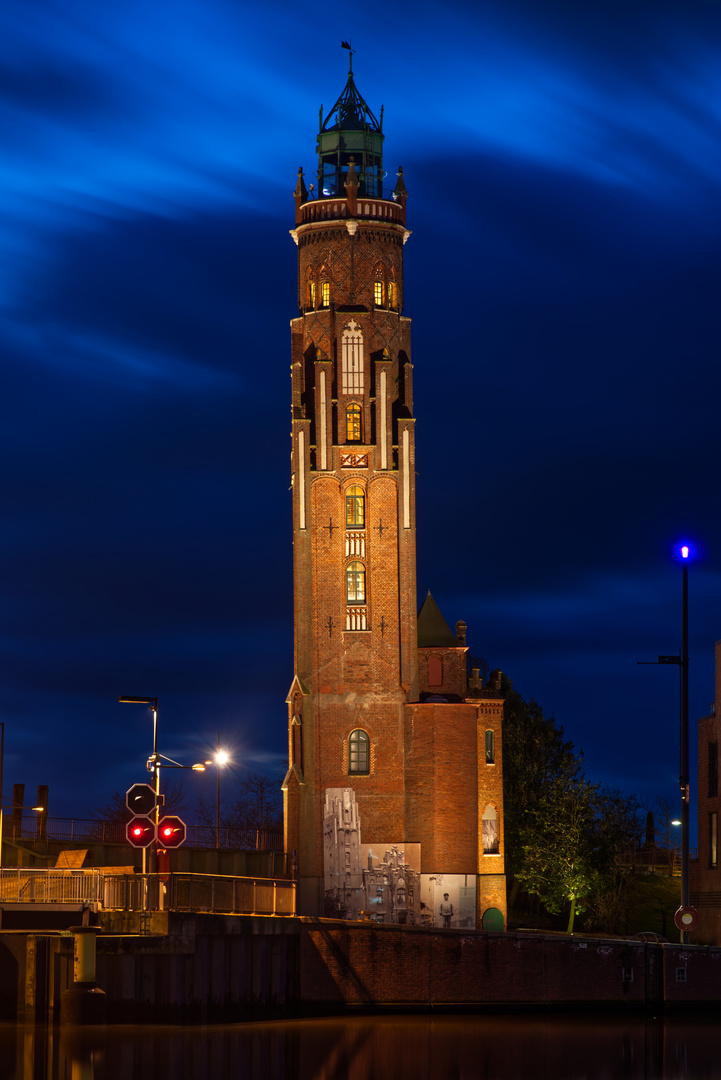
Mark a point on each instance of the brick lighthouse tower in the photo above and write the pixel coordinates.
(348, 792)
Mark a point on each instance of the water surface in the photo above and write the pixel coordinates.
(499, 1047)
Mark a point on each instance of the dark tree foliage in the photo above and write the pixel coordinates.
(565, 838)
(535, 755)
(256, 803)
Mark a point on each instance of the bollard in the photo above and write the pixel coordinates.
(84, 1002)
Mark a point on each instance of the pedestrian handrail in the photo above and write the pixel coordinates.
(149, 892)
(96, 831)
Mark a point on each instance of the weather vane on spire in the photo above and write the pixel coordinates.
(347, 45)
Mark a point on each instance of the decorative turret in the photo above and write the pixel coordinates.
(350, 131)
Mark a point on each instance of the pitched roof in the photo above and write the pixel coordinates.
(433, 630)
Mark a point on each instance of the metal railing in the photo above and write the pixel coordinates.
(79, 831)
(149, 892)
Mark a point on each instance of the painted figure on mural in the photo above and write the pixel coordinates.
(446, 911)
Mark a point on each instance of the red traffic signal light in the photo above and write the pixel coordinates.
(140, 831)
(171, 832)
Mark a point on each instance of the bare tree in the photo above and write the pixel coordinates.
(115, 809)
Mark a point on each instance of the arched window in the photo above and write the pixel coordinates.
(325, 294)
(353, 423)
(392, 295)
(378, 293)
(352, 359)
(490, 749)
(358, 752)
(311, 294)
(355, 583)
(355, 507)
(435, 671)
(490, 831)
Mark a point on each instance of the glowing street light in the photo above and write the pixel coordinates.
(686, 916)
(221, 758)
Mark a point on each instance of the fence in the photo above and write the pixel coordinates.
(149, 892)
(78, 831)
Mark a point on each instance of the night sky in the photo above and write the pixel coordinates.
(563, 163)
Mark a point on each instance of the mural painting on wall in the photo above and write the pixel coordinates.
(376, 881)
(448, 901)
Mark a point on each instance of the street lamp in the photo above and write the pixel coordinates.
(683, 779)
(154, 761)
(2, 763)
(686, 916)
(221, 758)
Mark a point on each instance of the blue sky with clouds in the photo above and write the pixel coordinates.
(564, 165)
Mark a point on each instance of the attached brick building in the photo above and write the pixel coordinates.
(706, 872)
(395, 763)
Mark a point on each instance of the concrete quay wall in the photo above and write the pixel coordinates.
(212, 968)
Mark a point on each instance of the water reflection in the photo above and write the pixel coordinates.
(401, 1048)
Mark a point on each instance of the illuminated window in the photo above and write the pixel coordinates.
(490, 749)
(392, 295)
(386, 354)
(311, 294)
(435, 671)
(352, 360)
(378, 293)
(325, 294)
(359, 756)
(355, 507)
(713, 840)
(490, 831)
(713, 768)
(353, 423)
(355, 583)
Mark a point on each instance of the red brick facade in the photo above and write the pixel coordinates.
(421, 777)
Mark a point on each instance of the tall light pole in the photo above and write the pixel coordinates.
(683, 779)
(2, 765)
(221, 758)
(154, 761)
(686, 918)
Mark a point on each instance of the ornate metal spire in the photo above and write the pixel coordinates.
(350, 112)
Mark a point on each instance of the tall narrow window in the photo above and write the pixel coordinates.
(358, 753)
(352, 360)
(392, 295)
(713, 768)
(378, 293)
(435, 671)
(490, 749)
(355, 583)
(311, 294)
(355, 507)
(353, 423)
(490, 831)
(713, 840)
(325, 294)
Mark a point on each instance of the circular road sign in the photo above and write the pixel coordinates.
(686, 918)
